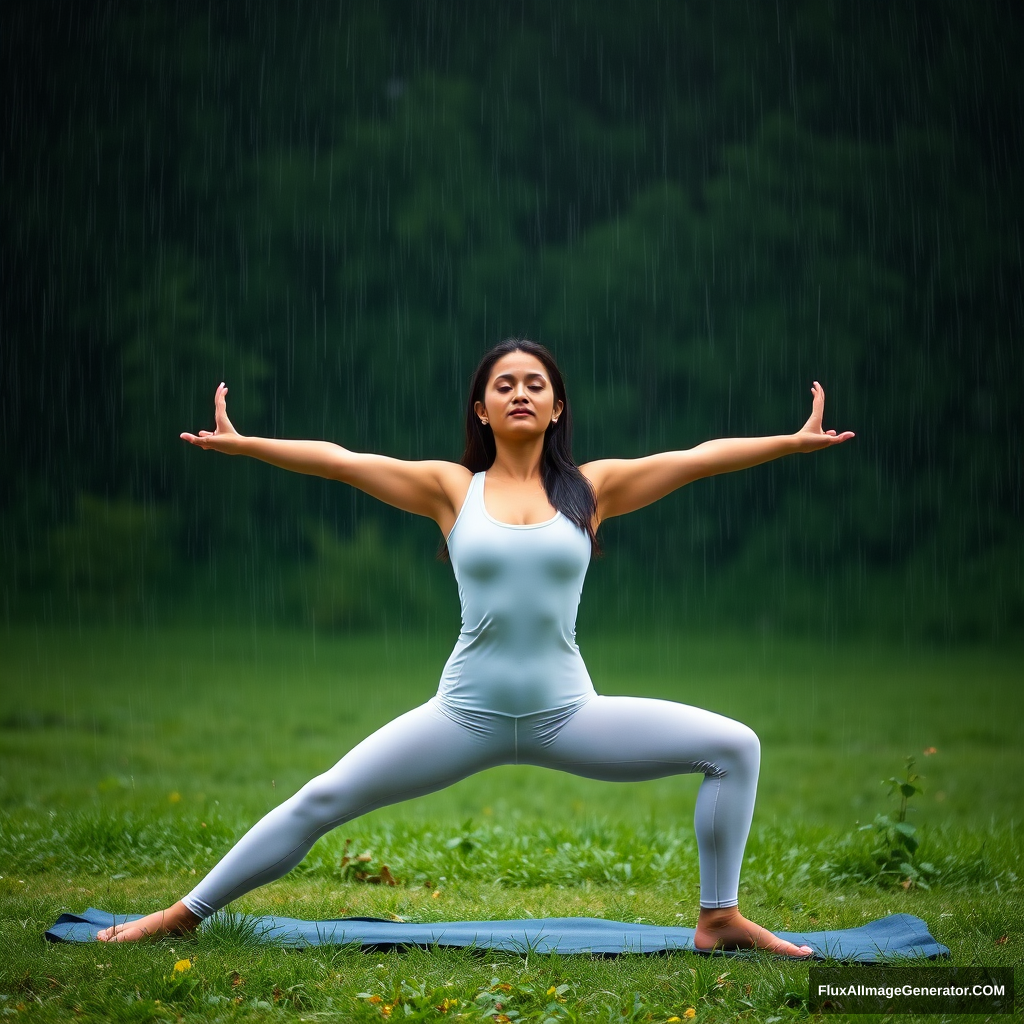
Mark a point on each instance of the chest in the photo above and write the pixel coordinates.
(518, 506)
(524, 561)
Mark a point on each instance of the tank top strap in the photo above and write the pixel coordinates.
(475, 494)
(472, 505)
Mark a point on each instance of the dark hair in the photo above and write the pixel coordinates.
(568, 490)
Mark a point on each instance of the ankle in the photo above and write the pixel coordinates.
(181, 915)
(719, 915)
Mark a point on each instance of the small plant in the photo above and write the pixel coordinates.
(896, 841)
(358, 869)
(528, 1000)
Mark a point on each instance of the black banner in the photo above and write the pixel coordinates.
(903, 988)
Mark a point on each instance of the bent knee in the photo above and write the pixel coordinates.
(739, 749)
(745, 745)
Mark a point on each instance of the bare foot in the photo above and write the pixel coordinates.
(173, 921)
(727, 928)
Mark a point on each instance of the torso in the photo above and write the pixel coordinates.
(519, 587)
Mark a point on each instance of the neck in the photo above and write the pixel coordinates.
(520, 462)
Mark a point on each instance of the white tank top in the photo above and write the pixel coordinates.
(520, 588)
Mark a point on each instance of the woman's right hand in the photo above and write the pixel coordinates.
(224, 438)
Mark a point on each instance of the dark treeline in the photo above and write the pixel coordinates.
(337, 207)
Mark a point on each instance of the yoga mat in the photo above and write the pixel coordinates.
(895, 936)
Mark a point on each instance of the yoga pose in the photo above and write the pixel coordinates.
(519, 520)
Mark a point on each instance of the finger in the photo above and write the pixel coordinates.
(832, 432)
(221, 408)
(817, 409)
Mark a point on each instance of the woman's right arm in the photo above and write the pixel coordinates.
(428, 488)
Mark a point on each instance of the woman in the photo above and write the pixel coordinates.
(520, 521)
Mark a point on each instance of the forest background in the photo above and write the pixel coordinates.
(336, 208)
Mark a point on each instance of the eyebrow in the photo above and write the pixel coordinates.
(512, 376)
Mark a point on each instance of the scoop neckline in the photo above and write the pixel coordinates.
(510, 526)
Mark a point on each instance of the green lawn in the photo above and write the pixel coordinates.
(129, 760)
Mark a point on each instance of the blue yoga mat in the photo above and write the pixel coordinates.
(892, 937)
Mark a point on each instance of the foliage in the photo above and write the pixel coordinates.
(697, 209)
(896, 841)
(112, 552)
(893, 856)
(498, 1001)
(364, 582)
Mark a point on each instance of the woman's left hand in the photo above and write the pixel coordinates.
(811, 436)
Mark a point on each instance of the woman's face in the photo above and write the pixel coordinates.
(519, 400)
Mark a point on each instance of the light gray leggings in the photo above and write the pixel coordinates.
(615, 739)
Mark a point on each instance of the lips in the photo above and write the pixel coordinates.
(521, 412)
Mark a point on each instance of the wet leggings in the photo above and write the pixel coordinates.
(614, 739)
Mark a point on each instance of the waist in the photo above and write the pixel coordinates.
(487, 676)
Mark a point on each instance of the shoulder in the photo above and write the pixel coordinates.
(452, 473)
(599, 471)
(614, 482)
(452, 478)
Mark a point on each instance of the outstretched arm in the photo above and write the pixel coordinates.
(624, 485)
(425, 488)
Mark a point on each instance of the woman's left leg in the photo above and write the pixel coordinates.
(630, 739)
(625, 739)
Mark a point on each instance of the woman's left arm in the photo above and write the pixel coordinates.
(624, 485)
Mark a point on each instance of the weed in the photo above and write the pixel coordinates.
(896, 842)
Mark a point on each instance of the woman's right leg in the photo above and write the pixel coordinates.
(417, 753)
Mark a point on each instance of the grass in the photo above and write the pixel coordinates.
(130, 760)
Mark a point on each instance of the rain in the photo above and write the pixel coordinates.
(337, 209)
